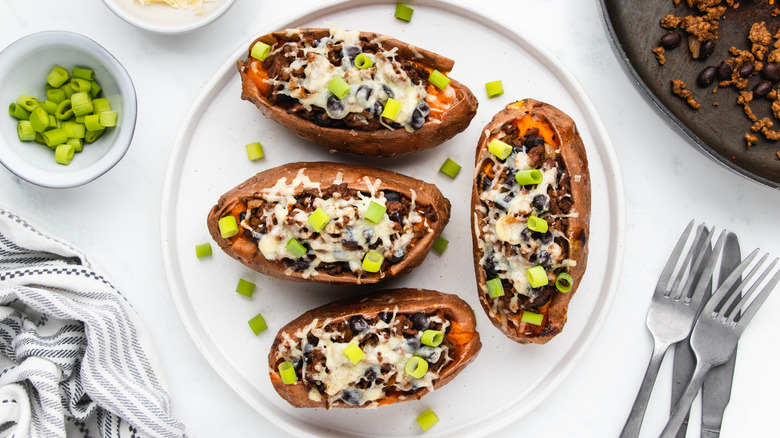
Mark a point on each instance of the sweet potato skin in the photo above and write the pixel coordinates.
(408, 301)
(380, 143)
(246, 251)
(572, 151)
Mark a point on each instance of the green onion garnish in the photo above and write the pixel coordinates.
(228, 227)
(529, 177)
(427, 419)
(450, 168)
(537, 276)
(564, 282)
(260, 51)
(494, 89)
(287, 373)
(375, 212)
(254, 151)
(353, 353)
(499, 149)
(257, 324)
(77, 143)
(95, 90)
(64, 110)
(49, 106)
(372, 262)
(245, 288)
(108, 119)
(57, 77)
(100, 105)
(416, 367)
(80, 85)
(434, 338)
(84, 73)
(403, 12)
(55, 95)
(92, 136)
(339, 87)
(64, 153)
(25, 130)
(318, 219)
(18, 111)
(392, 108)
(537, 224)
(81, 103)
(27, 102)
(362, 61)
(440, 245)
(54, 137)
(295, 248)
(203, 250)
(531, 318)
(495, 288)
(39, 119)
(438, 79)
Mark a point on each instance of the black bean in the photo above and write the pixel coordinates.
(487, 183)
(771, 72)
(428, 353)
(370, 374)
(544, 258)
(352, 52)
(418, 120)
(335, 105)
(413, 343)
(725, 69)
(386, 316)
(762, 89)
(358, 324)
(544, 237)
(424, 108)
(518, 149)
(388, 91)
(670, 40)
(307, 352)
(541, 202)
(420, 321)
(533, 140)
(322, 119)
(503, 203)
(363, 93)
(490, 268)
(376, 109)
(350, 397)
(297, 363)
(746, 69)
(398, 255)
(707, 76)
(368, 234)
(706, 49)
(300, 265)
(525, 234)
(391, 196)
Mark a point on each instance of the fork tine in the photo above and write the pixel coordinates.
(730, 302)
(701, 236)
(666, 274)
(742, 319)
(726, 286)
(709, 267)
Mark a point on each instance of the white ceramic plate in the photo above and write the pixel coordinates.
(161, 18)
(507, 380)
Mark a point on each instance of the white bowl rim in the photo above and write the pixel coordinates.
(126, 89)
(173, 29)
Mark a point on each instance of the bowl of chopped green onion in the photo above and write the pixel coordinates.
(71, 109)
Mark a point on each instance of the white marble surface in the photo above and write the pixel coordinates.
(667, 181)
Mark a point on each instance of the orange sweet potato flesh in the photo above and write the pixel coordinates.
(245, 250)
(463, 334)
(560, 130)
(382, 142)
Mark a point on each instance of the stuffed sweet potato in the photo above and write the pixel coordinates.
(390, 108)
(356, 353)
(530, 218)
(329, 222)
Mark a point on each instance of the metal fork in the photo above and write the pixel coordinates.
(719, 327)
(673, 309)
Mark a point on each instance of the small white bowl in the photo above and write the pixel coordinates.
(24, 66)
(164, 19)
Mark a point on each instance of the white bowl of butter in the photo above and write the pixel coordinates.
(169, 16)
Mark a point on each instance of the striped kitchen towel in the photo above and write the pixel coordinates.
(74, 355)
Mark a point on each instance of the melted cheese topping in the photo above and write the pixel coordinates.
(197, 5)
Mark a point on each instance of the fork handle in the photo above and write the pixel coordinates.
(634, 422)
(684, 405)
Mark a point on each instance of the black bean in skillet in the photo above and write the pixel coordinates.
(352, 52)
(544, 258)
(420, 321)
(307, 352)
(388, 91)
(762, 89)
(386, 317)
(746, 69)
(335, 105)
(541, 202)
(418, 120)
(376, 109)
(525, 234)
(368, 234)
(300, 264)
(670, 40)
(725, 69)
(533, 140)
(771, 72)
(350, 397)
(398, 255)
(370, 374)
(392, 196)
(363, 93)
(358, 324)
(490, 268)
(544, 237)
(424, 108)
(706, 49)
(413, 343)
(707, 76)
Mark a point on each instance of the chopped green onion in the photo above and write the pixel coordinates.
(403, 12)
(529, 177)
(494, 89)
(353, 353)
(39, 119)
(372, 262)
(450, 168)
(537, 224)
(18, 111)
(339, 87)
(438, 79)
(287, 373)
(203, 250)
(318, 219)
(375, 212)
(245, 288)
(362, 61)
(392, 108)
(64, 110)
(64, 153)
(55, 95)
(92, 136)
(495, 288)
(95, 90)
(531, 318)
(295, 248)
(254, 151)
(57, 77)
(74, 130)
(77, 143)
(537, 276)
(440, 245)
(260, 51)
(100, 105)
(564, 282)
(39, 139)
(25, 130)
(427, 419)
(80, 85)
(49, 106)
(416, 367)
(81, 103)
(434, 338)
(108, 119)
(27, 102)
(53, 122)
(92, 122)
(499, 149)
(228, 227)
(258, 325)
(68, 90)
(84, 73)
(54, 137)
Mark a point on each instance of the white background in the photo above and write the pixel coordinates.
(668, 181)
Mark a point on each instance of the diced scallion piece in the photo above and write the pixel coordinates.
(92, 136)
(564, 282)
(372, 262)
(27, 102)
(84, 73)
(427, 419)
(494, 89)
(245, 288)
(203, 250)
(416, 367)
(260, 51)
(392, 108)
(362, 61)
(74, 130)
(537, 224)
(375, 212)
(495, 288)
(438, 79)
(64, 154)
(54, 137)
(450, 168)
(49, 106)
(92, 122)
(529, 177)
(499, 149)
(295, 248)
(228, 227)
(64, 110)
(57, 77)
(108, 119)
(287, 373)
(100, 105)
(77, 143)
(537, 276)
(18, 111)
(440, 245)
(353, 353)
(55, 95)
(403, 12)
(95, 90)
(434, 338)
(25, 130)
(258, 325)
(254, 151)
(318, 219)
(53, 122)
(80, 85)
(39, 119)
(532, 318)
(339, 87)
(81, 103)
